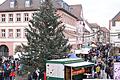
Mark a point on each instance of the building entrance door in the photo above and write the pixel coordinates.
(4, 50)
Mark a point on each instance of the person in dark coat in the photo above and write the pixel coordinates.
(29, 76)
(107, 70)
(6, 74)
(34, 76)
(1, 74)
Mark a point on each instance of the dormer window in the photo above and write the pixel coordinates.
(66, 6)
(27, 3)
(12, 3)
(42, 1)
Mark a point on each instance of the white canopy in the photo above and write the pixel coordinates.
(80, 64)
(17, 55)
(93, 45)
(83, 51)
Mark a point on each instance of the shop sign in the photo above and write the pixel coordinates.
(76, 72)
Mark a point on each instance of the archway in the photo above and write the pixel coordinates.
(4, 51)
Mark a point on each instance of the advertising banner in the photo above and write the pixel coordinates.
(117, 71)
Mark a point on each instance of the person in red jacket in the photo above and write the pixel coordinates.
(12, 74)
(45, 75)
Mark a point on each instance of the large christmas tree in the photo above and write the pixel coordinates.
(45, 38)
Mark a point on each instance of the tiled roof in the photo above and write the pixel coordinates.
(69, 13)
(104, 29)
(94, 25)
(117, 17)
(77, 10)
(86, 32)
(20, 5)
(88, 24)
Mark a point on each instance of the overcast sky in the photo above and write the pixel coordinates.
(97, 11)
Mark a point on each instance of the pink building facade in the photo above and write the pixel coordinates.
(14, 19)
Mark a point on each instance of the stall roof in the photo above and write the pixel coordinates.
(72, 55)
(80, 64)
(65, 61)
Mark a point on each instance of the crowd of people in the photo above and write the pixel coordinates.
(8, 68)
(11, 69)
(102, 59)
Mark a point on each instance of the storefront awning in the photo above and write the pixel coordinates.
(80, 64)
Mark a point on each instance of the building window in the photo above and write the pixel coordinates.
(10, 34)
(33, 14)
(42, 1)
(25, 33)
(118, 35)
(3, 17)
(10, 17)
(12, 4)
(66, 6)
(60, 3)
(18, 17)
(27, 3)
(26, 17)
(3, 33)
(18, 33)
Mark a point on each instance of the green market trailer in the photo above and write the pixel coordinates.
(68, 69)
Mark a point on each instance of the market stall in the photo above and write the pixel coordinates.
(68, 69)
(83, 53)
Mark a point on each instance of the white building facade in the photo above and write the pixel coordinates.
(15, 16)
(115, 31)
(13, 28)
(88, 33)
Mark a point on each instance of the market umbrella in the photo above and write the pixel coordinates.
(72, 55)
(93, 45)
(83, 51)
